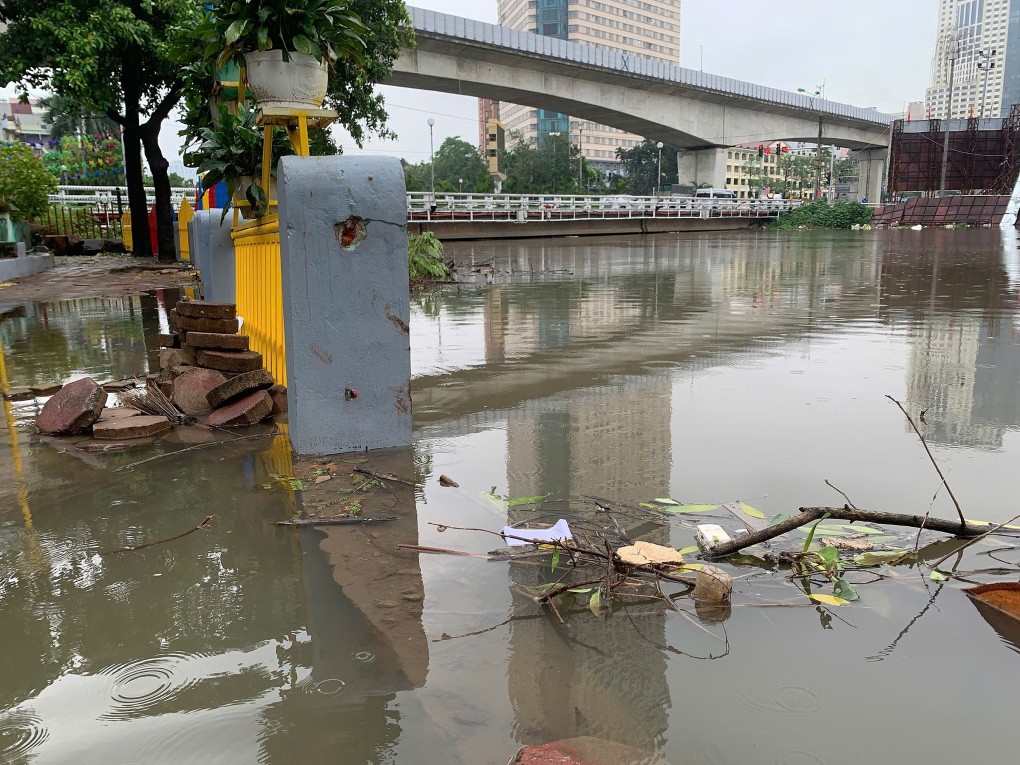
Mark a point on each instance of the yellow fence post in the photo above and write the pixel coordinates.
(125, 231)
(184, 216)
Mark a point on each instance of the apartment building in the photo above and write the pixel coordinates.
(649, 28)
(976, 63)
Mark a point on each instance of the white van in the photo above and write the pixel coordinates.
(715, 197)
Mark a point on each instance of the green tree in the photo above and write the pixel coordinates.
(457, 160)
(642, 164)
(352, 83)
(67, 118)
(416, 176)
(25, 183)
(110, 57)
(549, 166)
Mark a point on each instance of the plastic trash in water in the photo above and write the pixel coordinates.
(515, 537)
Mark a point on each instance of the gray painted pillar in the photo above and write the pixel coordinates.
(701, 166)
(343, 234)
(198, 238)
(873, 170)
(219, 287)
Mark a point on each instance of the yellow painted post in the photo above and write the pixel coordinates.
(184, 216)
(125, 231)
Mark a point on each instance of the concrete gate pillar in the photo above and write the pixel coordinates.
(343, 236)
(874, 169)
(212, 253)
(703, 166)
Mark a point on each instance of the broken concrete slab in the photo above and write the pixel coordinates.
(204, 309)
(123, 428)
(111, 413)
(231, 361)
(46, 389)
(172, 357)
(115, 386)
(248, 410)
(168, 340)
(241, 385)
(192, 388)
(218, 341)
(73, 408)
(19, 394)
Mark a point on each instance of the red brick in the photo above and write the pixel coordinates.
(249, 410)
(230, 361)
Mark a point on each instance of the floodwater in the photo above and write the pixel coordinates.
(707, 368)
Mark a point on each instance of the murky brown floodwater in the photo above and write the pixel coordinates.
(707, 368)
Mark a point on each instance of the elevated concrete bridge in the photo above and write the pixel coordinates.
(681, 107)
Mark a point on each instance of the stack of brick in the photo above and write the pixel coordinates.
(208, 371)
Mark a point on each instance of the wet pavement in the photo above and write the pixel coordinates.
(707, 368)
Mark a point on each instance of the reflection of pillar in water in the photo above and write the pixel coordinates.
(150, 328)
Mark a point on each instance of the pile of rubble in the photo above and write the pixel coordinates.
(208, 371)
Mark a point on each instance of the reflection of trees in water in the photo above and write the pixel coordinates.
(52, 340)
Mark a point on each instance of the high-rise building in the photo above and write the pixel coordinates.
(649, 28)
(976, 65)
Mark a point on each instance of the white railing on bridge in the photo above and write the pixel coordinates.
(106, 196)
(520, 208)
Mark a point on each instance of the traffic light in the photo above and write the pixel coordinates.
(768, 150)
(785, 149)
(761, 150)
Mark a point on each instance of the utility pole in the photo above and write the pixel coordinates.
(818, 161)
(432, 154)
(953, 53)
(985, 65)
(658, 175)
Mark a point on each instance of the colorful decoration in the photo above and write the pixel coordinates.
(96, 160)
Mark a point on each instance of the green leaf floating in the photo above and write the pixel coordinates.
(513, 502)
(843, 589)
(753, 512)
(690, 508)
(595, 601)
(877, 558)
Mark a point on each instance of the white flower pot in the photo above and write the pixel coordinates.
(296, 84)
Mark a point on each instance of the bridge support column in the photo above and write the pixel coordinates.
(343, 237)
(874, 170)
(703, 167)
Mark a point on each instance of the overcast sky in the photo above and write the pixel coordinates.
(868, 52)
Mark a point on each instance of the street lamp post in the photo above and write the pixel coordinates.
(985, 65)
(658, 174)
(819, 92)
(461, 182)
(432, 153)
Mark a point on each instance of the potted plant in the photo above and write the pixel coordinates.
(232, 151)
(287, 46)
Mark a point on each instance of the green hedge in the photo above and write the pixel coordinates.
(825, 215)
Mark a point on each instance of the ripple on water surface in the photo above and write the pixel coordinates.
(20, 734)
(138, 687)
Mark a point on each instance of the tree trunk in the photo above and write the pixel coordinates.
(140, 238)
(159, 167)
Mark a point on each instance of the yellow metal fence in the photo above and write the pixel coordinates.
(259, 289)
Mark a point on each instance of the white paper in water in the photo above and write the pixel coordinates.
(558, 532)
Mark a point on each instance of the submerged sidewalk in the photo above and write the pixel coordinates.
(98, 276)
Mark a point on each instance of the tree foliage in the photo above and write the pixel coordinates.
(825, 215)
(25, 183)
(456, 161)
(642, 165)
(549, 166)
(67, 118)
(112, 58)
(352, 82)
